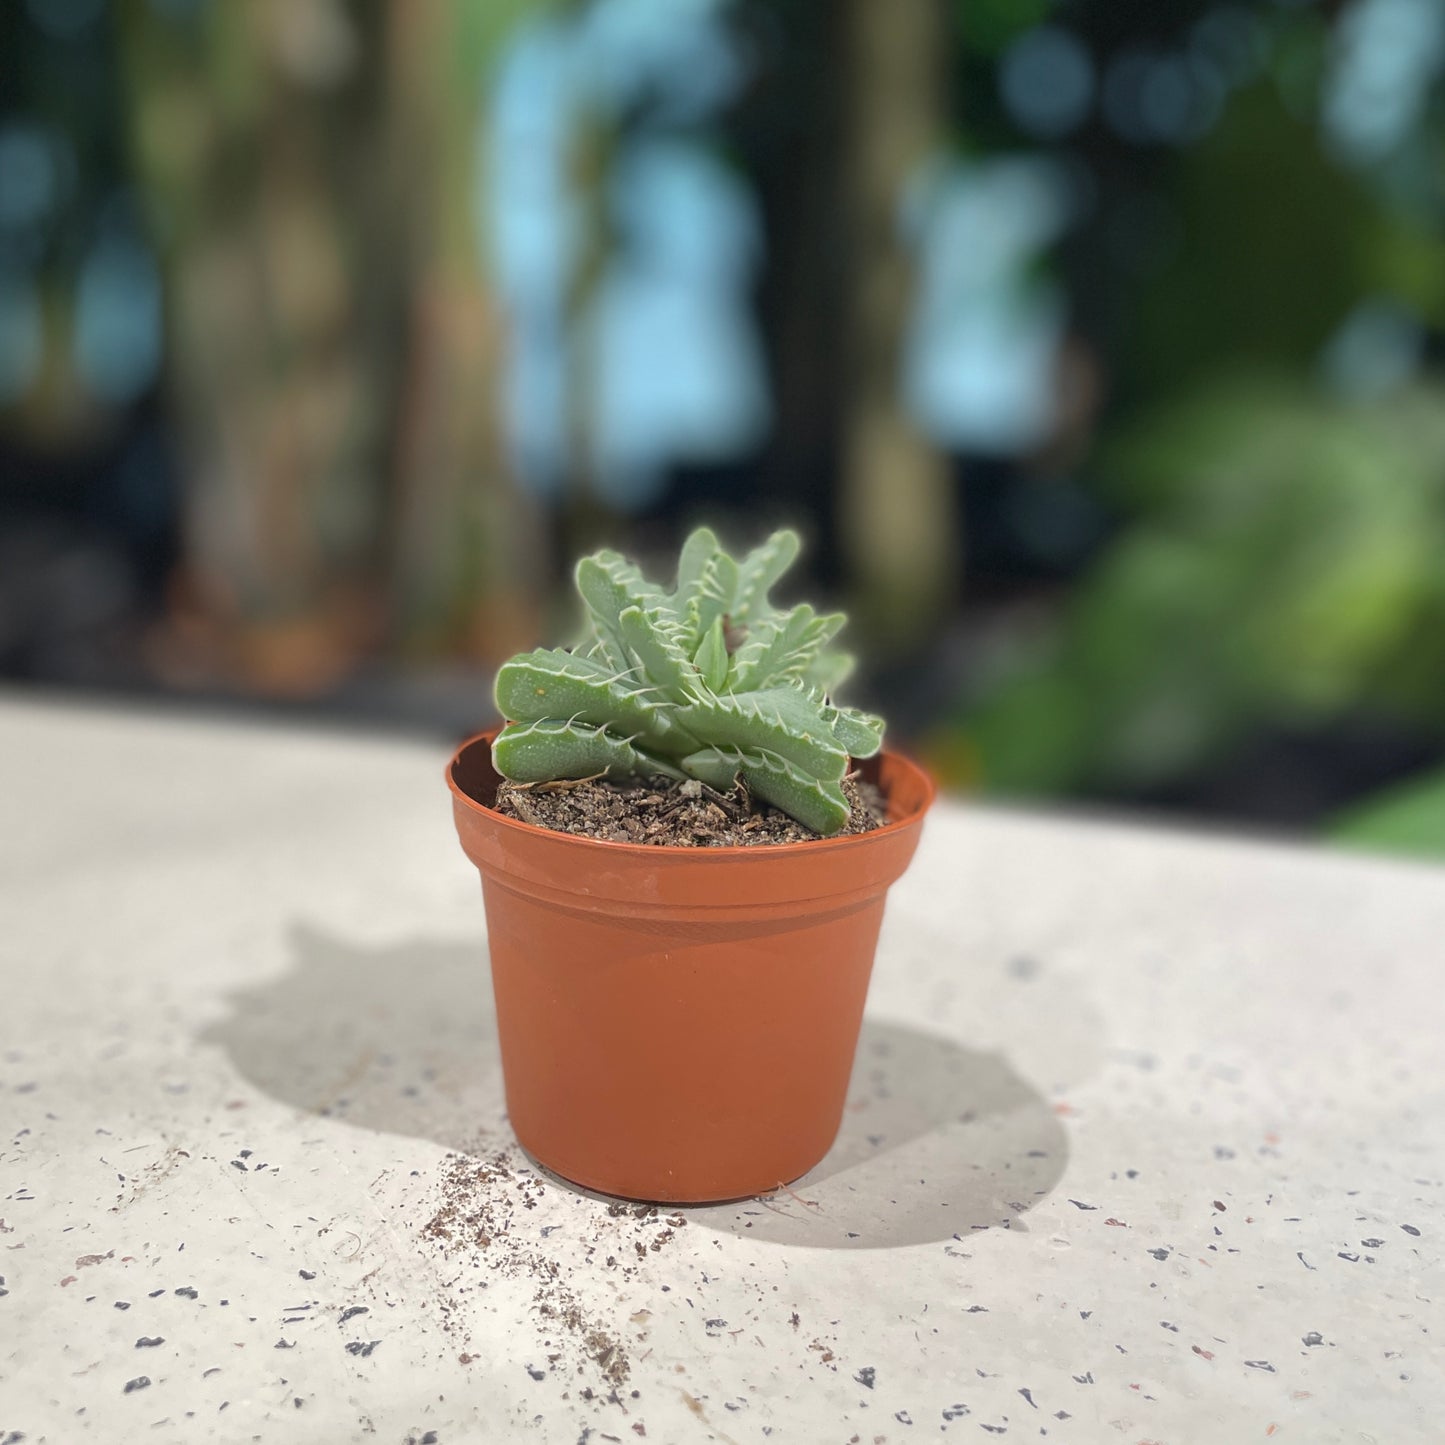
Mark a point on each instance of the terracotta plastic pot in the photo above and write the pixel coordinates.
(679, 1024)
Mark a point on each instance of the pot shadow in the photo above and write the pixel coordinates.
(398, 1038)
(937, 1140)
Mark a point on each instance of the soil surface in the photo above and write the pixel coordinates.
(675, 814)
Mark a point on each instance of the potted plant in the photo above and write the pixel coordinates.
(678, 1022)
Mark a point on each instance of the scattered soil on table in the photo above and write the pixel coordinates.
(675, 814)
(479, 1198)
(481, 1220)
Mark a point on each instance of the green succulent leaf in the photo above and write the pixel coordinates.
(543, 752)
(609, 585)
(782, 720)
(652, 642)
(820, 805)
(699, 549)
(759, 570)
(717, 767)
(550, 683)
(712, 659)
(786, 648)
(860, 732)
(713, 597)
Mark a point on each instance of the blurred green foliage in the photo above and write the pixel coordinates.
(1281, 563)
(989, 25)
(1266, 231)
(1408, 819)
(1272, 243)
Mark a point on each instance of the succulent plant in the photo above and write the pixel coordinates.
(709, 681)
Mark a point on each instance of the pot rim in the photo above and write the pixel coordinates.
(929, 793)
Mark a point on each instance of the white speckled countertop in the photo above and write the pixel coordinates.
(1145, 1144)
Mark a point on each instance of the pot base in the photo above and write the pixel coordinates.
(581, 1186)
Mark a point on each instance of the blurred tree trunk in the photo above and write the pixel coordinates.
(790, 136)
(468, 567)
(898, 523)
(332, 354)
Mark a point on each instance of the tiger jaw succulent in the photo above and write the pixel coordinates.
(710, 681)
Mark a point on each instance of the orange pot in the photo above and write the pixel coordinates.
(679, 1023)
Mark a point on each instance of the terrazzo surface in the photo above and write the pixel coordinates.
(1145, 1142)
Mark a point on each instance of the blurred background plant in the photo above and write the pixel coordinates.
(1098, 348)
